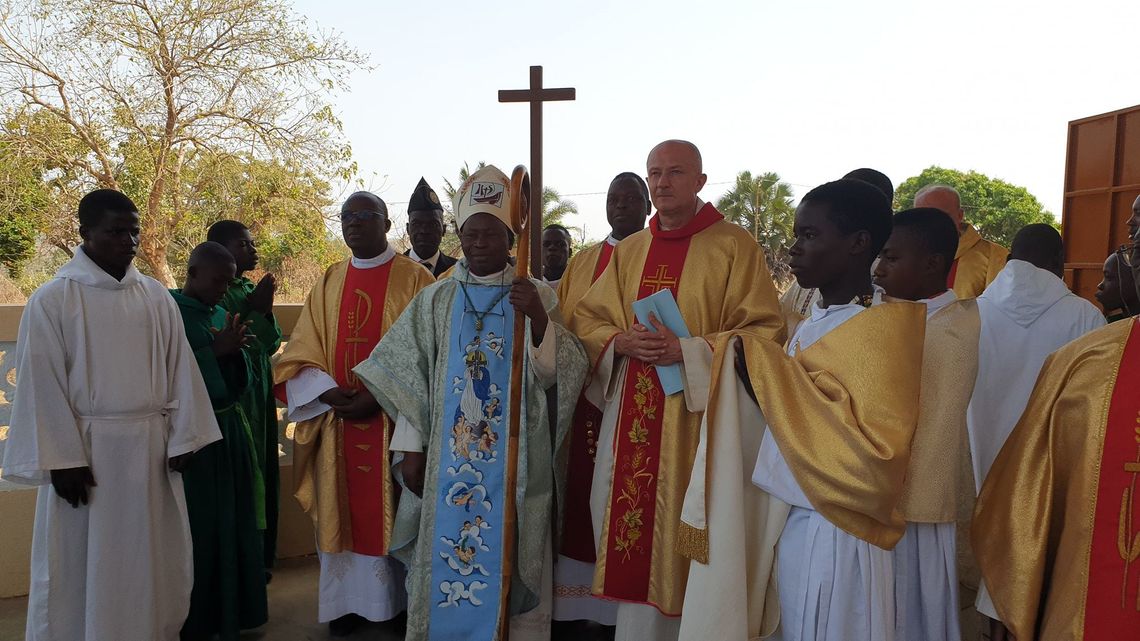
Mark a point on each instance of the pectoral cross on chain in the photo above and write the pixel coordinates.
(659, 281)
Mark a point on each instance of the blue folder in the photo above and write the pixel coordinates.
(664, 307)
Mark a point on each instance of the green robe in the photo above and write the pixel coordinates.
(229, 577)
(406, 373)
(260, 406)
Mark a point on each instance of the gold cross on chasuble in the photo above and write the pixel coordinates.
(660, 280)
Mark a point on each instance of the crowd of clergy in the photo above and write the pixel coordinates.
(927, 437)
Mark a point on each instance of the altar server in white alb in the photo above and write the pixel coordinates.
(1027, 314)
(109, 405)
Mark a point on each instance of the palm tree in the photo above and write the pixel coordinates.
(554, 208)
(763, 205)
(465, 172)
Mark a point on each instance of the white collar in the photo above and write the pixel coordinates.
(938, 302)
(498, 278)
(611, 241)
(818, 311)
(429, 261)
(369, 263)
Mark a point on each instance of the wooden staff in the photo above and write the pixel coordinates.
(520, 219)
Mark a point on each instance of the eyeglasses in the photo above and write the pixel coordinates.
(362, 216)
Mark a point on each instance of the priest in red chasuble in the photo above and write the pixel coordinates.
(718, 277)
(1057, 526)
(341, 461)
(627, 207)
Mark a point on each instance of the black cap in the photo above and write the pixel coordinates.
(424, 198)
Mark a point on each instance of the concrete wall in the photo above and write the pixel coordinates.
(17, 503)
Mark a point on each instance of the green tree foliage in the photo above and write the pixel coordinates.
(154, 91)
(997, 208)
(762, 204)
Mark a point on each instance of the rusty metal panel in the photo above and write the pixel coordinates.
(1102, 179)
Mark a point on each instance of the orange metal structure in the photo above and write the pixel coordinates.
(1102, 180)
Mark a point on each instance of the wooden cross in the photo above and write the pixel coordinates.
(536, 95)
(659, 281)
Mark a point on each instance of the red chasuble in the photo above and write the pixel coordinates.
(1112, 607)
(578, 537)
(366, 474)
(632, 510)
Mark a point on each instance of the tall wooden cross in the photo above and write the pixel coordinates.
(536, 95)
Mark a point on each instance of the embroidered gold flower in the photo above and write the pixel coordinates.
(636, 477)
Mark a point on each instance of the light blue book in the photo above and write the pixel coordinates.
(664, 307)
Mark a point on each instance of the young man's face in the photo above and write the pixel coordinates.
(114, 241)
(244, 251)
(904, 266)
(1108, 291)
(555, 249)
(210, 281)
(626, 208)
(822, 253)
(486, 244)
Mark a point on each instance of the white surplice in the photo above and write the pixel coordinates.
(350, 583)
(926, 572)
(1027, 313)
(108, 381)
(832, 585)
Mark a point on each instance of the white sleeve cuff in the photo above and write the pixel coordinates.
(303, 393)
(544, 358)
(406, 437)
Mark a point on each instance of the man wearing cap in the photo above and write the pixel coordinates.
(341, 467)
(648, 441)
(425, 229)
(445, 370)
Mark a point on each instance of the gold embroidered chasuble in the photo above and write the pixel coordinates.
(937, 473)
(1057, 526)
(319, 475)
(580, 274)
(723, 285)
(976, 264)
(844, 411)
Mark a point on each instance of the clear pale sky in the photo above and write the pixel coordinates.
(809, 90)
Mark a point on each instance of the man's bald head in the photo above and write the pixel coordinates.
(1040, 245)
(687, 146)
(676, 176)
(942, 197)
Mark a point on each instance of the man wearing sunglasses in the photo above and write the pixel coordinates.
(341, 467)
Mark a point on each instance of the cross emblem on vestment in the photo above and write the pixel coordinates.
(659, 281)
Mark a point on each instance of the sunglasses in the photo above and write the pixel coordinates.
(362, 216)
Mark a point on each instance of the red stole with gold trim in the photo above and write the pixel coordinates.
(366, 474)
(637, 437)
(1112, 606)
(578, 538)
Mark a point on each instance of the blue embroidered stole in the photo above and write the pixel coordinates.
(468, 538)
